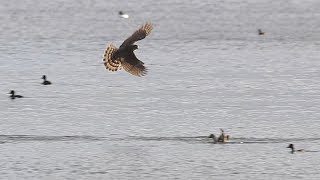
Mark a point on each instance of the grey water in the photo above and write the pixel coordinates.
(207, 69)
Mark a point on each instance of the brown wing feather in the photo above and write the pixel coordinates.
(137, 69)
(139, 34)
(111, 64)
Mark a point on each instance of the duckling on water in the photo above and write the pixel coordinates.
(291, 146)
(13, 96)
(260, 32)
(45, 82)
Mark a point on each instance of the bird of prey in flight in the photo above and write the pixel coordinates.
(124, 57)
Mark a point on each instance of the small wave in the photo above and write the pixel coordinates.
(186, 139)
(24, 138)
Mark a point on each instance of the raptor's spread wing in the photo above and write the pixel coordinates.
(137, 69)
(138, 35)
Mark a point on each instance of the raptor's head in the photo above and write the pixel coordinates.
(134, 47)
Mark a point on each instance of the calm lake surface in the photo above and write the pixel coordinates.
(207, 69)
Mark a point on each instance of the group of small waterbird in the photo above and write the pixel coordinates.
(14, 96)
(223, 138)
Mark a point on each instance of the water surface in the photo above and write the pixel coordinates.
(208, 69)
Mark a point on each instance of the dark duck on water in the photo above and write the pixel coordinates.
(13, 95)
(45, 82)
